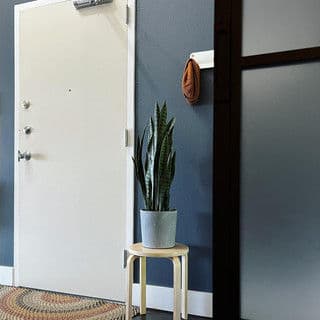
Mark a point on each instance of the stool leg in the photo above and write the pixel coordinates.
(185, 286)
(143, 283)
(176, 287)
(130, 261)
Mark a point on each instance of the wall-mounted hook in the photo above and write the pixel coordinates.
(205, 59)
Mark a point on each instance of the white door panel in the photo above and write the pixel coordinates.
(71, 195)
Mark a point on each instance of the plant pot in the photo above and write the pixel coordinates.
(158, 228)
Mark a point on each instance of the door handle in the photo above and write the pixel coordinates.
(24, 155)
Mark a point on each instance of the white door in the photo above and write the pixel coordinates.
(71, 195)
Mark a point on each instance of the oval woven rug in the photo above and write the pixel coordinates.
(30, 304)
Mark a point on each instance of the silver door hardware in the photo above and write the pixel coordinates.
(26, 104)
(125, 137)
(80, 4)
(125, 257)
(24, 155)
(127, 14)
(27, 129)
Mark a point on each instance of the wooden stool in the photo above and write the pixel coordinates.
(179, 250)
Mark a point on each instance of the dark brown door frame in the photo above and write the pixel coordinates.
(229, 64)
(227, 46)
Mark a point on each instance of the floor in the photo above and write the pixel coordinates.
(163, 315)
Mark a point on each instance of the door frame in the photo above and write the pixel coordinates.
(226, 177)
(129, 131)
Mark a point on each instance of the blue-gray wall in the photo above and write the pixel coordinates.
(167, 32)
(6, 129)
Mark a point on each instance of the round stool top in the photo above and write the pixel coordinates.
(138, 249)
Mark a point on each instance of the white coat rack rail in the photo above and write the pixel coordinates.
(205, 59)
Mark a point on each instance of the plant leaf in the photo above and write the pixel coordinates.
(156, 174)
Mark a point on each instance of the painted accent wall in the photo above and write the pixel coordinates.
(167, 32)
(6, 129)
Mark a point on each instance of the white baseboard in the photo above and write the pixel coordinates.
(161, 298)
(6, 276)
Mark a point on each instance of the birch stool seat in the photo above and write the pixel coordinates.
(180, 271)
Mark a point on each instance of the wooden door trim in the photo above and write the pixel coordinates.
(227, 90)
(131, 81)
(280, 58)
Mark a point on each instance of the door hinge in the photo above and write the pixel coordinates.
(127, 14)
(126, 137)
(125, 256)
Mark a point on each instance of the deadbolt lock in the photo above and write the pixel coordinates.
(26, 104)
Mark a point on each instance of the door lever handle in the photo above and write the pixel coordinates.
(24, 155)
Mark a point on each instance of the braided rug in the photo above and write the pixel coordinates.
(30, 304)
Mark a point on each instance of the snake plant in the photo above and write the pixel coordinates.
(156, 172)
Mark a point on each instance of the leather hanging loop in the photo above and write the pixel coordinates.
(191, 82)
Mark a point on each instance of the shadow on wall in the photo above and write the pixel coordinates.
(199, 253)
(206, 84)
